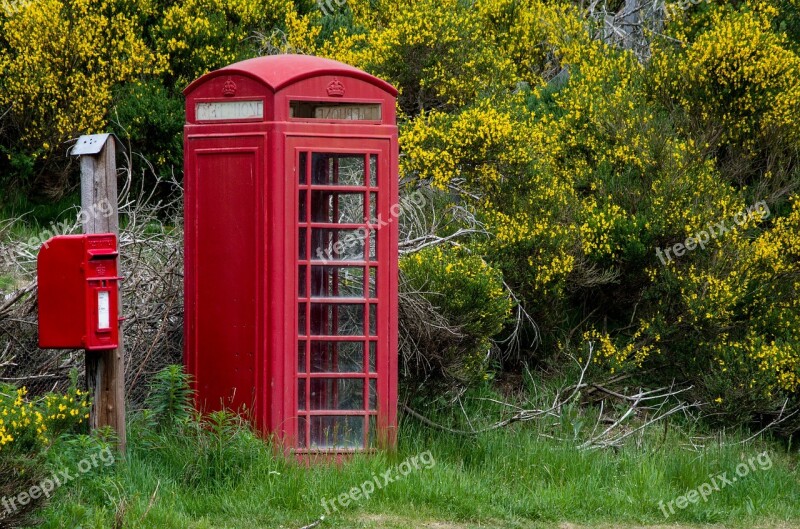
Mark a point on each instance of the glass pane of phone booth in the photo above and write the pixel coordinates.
(337, 293)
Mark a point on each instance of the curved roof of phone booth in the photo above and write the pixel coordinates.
(280, 71)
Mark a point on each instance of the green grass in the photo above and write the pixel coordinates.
(7, 283)
(41, 212)
(221, 476)
(35, 222)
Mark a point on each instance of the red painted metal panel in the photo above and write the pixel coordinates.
(280, 71)
(223, 321)
(78, 292)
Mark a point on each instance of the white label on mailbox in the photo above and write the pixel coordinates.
(225, 110)
(103, 311)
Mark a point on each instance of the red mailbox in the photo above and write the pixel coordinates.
(291, 250)
(78, 292)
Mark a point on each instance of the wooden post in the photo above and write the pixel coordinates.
(105, 370)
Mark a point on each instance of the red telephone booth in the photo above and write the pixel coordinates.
(291, 250)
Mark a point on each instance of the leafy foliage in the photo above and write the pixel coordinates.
(470, 294)
(29, 428)
(577, 162)
(170, 401)
(218, 442)
(59, 64)
(28, 424)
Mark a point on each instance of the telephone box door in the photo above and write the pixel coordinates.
(345, 285)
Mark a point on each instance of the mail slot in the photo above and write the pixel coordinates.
(78, 292)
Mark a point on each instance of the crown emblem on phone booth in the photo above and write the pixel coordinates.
(229, 88)
(336, 88)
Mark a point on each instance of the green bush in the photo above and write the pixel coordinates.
(34, 440)
(470, 294)
(151, 118)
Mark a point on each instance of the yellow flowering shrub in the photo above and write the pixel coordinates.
(611, 130)
(579, 180)
(601, 224)
(475, 295)
(27, 423)
(638, 348)
(59, 63)
(482, 145)
(447, 53)
(470, 294)
(501, 161)
(731, 315)
(736, 78)
(202, 35)
(688, 192)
